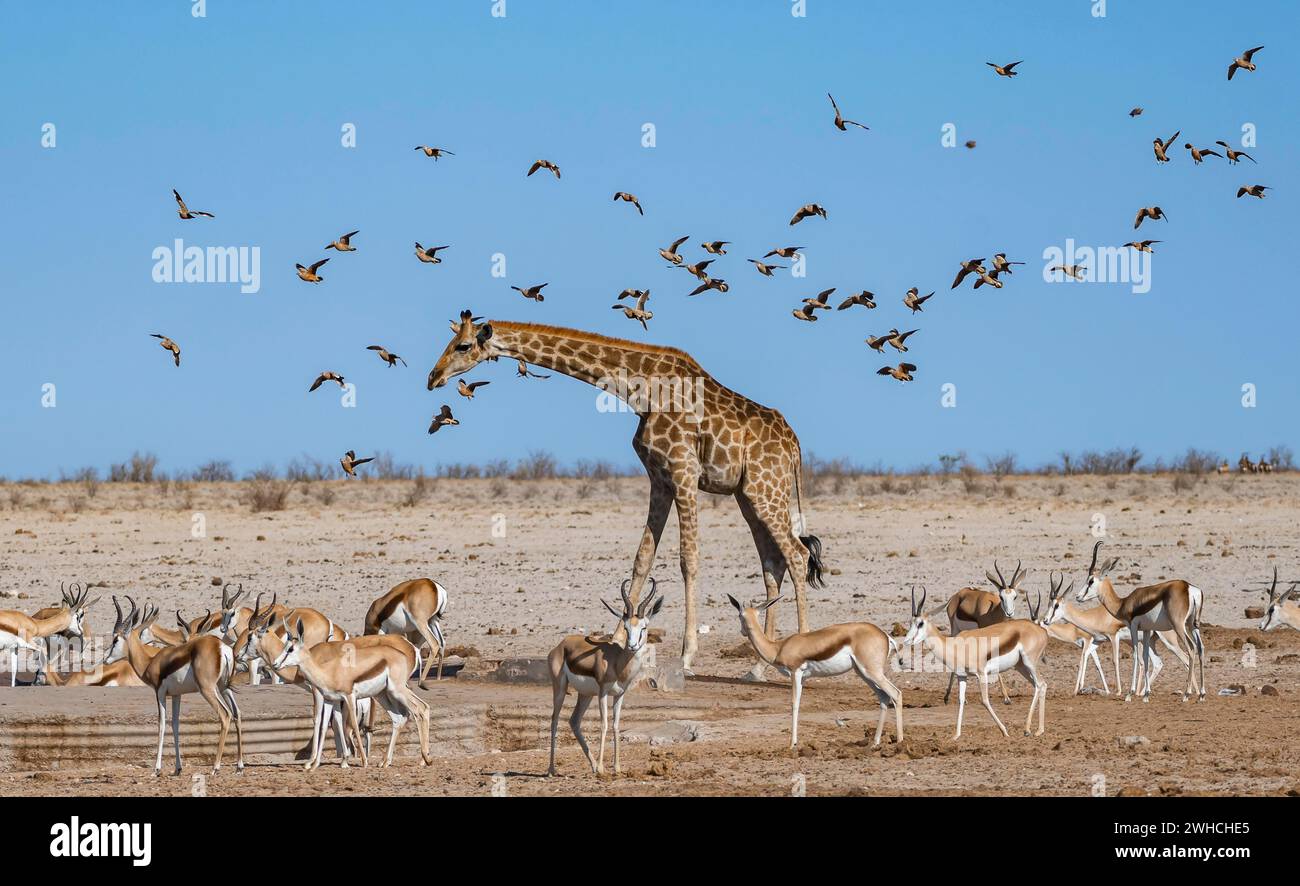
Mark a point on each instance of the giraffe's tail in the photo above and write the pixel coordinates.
(816, 568)
(815, 565)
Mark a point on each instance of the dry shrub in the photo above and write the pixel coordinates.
(266, 491)
(418, 491)
(139, 469)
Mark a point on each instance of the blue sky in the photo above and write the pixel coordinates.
(242, 112)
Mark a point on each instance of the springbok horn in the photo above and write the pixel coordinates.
(117, 623)
(1272, 592)
(1002, 582)
(627, 599)
(924, 593)
(648, 599)
(1093, 565)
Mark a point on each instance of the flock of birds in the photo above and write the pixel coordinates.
(633, 302)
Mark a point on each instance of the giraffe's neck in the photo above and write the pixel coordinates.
(607, 363)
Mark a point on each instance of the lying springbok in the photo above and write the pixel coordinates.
(343, 671)
(828, 652)
(19, 630)
(1169, 606)
(971, 608)
(119, 673)
(1281, 611)
(203, 665)
(412, 609)
(599, 667)
(1015, 643)
(1099, 626)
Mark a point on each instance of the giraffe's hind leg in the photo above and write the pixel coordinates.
(771, 503)
(773, 565)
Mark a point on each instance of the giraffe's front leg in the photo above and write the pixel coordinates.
(688, 524)
(661, 501)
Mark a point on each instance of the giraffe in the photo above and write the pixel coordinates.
(702, 437)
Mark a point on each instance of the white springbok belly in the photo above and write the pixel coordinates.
(1004, 662)
(839, 663)
(1158, 619)
(584, 685)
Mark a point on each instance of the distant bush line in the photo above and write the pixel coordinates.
(142, 467)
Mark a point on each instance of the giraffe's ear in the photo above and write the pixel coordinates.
(484, 333)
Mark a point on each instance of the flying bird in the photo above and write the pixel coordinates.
(1142, 245)
(1007, 70)
(710, 283)
(814, 304)
(523, 372)
(429, 256)
(806, 211)
(324, 377)
(629, 198)
(902, 372)
(988, 278)
(896, 339)
(544, 164)
(1148, 212)
(350, 462)
(840, 123)
(784, 251)
(1075, 271)
(1199, 155)
(168, 345)
(344, 243)
(697, 270)
(309, 274)
(442, 417)
(864, 298)
(1161, 147)
(765, 270)
(877, 343)
(670, 253)
(1253, 190)
(1243, 62)
(973, 266)
(384, 354)
(435, 153)
(914, 300)
(184, 211)
(1136, 112)
(1234, 155)
(635, 313)
(1001, 264)
(532, 292)
(970, 145)
(714, 247)
(467, 390)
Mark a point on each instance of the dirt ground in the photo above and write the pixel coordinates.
(525, 563)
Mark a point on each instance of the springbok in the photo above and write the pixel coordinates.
(1245, 465)
(412, 609)
(1281, 610)
(341, 672)
(1015, 643)
(827, 652)
(119, 673)
(600, 667)
(1099, 626)
(971, 608)
(203, 665)
(1169, 606)
(262, 639)
(19, 630)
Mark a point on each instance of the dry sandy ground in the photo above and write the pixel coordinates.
(526, 561)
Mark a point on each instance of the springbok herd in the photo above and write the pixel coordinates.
(346, 673)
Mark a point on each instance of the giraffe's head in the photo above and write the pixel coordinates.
(471, 345)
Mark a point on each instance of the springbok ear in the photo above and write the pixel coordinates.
(736, 603)
(484, 333)
(654, 610)
(770, 603)
(611, 609)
